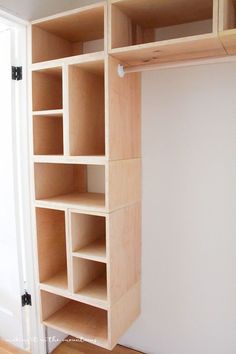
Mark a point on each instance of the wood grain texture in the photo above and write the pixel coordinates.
(227, 27)
(123, 314)
(124, 114)
(51, 240)
(73, 346)
(124, 179)
(47, 89)
(52, 180)
(124, 251)
(64, 36)
(8, 348)
(86, 110)
(173, 50)
(75, 318)
(157, 13)
(48, 135)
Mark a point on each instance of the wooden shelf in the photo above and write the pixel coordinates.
(84, 160)
(70, 185)
(57, 281)
(82, 201)
(95, 251)
(89, 279)
(97, 290)
(74, 318)
(227, 26)
(74, 32)
(152, 31)
(52, 113)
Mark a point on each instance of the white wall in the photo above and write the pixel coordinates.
(189, 212)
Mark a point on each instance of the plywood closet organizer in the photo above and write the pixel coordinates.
(86, 151)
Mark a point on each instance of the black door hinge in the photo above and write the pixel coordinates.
(16, 73)
(26, 299)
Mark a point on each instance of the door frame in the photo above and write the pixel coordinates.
(33, 331)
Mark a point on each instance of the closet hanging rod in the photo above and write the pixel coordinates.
(123, 70)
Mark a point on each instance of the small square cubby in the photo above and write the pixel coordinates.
(70, 185)
(90, 279)
(48, 134)
(47, 90)
(87, 108)
(88, 236)
(75, 318)
(78, 32)
(51, 247)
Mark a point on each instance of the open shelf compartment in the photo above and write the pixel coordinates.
(75, 318)
(228, 25)
(156, 30)
(76, 32)
(48, 134)
(88, 236)
(87, 108)
(47, 90)
(70, 185)
(89, 279)
(51, 247)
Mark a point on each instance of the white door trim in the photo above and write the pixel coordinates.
(20, 116)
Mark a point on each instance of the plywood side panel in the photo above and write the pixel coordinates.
(51, 240)
(121, 28)
(124, 183)
(124, 114)
(47, 46)
(124, 255)
(123, 314)
(86, 112)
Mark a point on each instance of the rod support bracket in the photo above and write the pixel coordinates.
(121, 71)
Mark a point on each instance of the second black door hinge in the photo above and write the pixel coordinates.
(26, 299)
(16, 73)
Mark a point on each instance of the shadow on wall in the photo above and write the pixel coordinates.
(34, 9)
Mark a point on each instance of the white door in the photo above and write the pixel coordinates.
(11, 270)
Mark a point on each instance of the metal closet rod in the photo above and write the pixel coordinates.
(123, 70)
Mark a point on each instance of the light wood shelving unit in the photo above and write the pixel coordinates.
(86, 170)
(86, 149)
(227, 25)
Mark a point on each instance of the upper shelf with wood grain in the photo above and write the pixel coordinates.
(78, 32)
(227, 25)
(160, 31)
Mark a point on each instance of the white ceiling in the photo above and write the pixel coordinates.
(33, 9)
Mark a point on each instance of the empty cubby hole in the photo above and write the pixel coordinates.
(89, 278)
(75, 318)
(48, 134)
(47, 89)
(51, 246)
(139, 22)
(73, 184)
(86, 108)
(229, 14)
(76, 33)
(88, 233)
